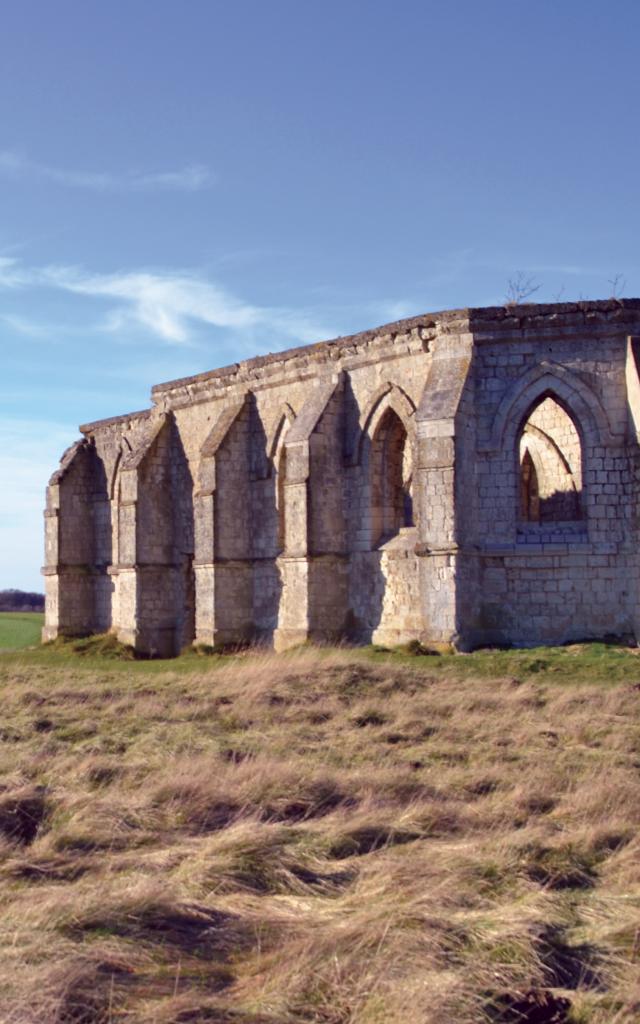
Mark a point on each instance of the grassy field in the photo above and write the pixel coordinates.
(330, 837)
(20, 629)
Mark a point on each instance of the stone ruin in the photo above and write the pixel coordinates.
(466, 477)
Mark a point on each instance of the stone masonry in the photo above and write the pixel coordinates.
(467, 477)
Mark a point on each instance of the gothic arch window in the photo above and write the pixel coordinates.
(281, 474)
(278, 472)
(550, 457)
(391, 478)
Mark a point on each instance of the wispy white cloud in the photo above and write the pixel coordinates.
(168, 304)
(12, 273)
(24, 326)
(191, 178)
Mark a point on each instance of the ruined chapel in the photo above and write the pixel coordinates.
(470, 476)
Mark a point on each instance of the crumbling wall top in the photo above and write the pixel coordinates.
(115, 421)
(489, 322)
(518, 317)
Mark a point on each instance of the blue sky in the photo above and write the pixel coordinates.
(186, 184)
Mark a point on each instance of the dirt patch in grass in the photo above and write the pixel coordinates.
(22, 813)
(367, 839)
(537, 1006)
(192, 929)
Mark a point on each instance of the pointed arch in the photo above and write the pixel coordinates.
(571, 393)
(549, 443)
(113, 484)
(388, 396)
(550, 456)
(280, 473)
(390, 471)
(277, 469)
(283, 422)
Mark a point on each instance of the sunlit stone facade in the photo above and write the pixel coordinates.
(466, 477)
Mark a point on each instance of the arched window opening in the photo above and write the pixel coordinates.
(391, 483)
(277, 457)
(550, 465)
(281, 470)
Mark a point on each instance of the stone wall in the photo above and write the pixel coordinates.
(466, 477)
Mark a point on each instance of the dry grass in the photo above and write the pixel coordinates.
(319, 839)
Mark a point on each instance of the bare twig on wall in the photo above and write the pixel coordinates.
(520, 288)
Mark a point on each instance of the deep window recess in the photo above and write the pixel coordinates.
(550, 466)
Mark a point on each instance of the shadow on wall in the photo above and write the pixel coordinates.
(103, 589)
(267, 475)
(365, 619)
(164, 546)
(550, 506)
(182, 486)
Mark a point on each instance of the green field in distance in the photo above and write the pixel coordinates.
(20, 629)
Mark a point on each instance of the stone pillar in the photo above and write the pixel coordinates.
(313, 567)
(222, 565)
(444, 458)
(128, 611)
(293, 564)
(70, 569)
(148, 612)
(203, 566)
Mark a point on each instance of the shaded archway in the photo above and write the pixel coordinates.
(550, 456)
(391, 478)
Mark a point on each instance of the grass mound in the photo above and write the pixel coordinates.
(102, 645)
(322, 838)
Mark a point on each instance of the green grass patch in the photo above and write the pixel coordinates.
(595, 663)
(20, 629)
(589, 662)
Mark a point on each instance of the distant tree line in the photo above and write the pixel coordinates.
(20, 601)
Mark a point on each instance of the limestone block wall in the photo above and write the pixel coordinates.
(468, 476)
(559, 579)
(385, 591)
